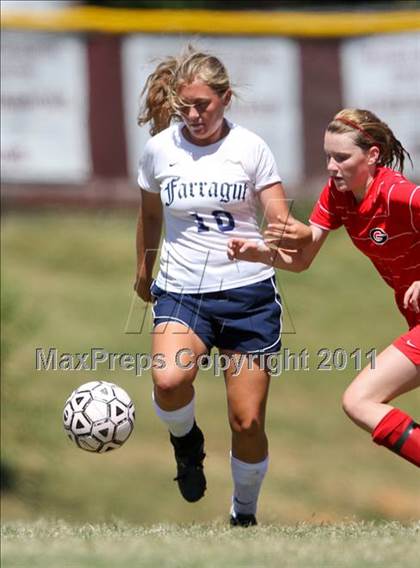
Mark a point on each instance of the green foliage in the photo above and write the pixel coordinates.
(68, 283)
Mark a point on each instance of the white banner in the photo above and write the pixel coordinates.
(382, 74)
(265, 73)
(33, 5)
(44, 106)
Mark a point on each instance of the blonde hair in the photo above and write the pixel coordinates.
(370, 131)
(160, 100)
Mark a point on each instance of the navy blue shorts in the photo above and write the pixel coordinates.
(245, 319)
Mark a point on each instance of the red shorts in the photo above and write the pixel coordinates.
(409, 344)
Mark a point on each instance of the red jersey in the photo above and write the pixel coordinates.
(385, 226)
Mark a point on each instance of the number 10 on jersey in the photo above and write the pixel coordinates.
(224, 220)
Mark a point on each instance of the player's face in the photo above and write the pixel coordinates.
(351, 168)
(203, 112)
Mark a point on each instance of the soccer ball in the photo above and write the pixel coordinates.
(98, 416)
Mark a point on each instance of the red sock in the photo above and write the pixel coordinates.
(399, 433)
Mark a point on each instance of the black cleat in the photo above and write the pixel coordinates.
(241, 520)
(189, 455)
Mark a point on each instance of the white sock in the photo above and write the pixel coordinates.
(247, 480)
(179, 422)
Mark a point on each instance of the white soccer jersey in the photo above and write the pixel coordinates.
(208, 196)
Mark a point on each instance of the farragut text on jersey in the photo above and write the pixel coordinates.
(223, 191)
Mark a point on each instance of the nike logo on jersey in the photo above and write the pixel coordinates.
(172, 164)
(411, 344)
(378, 236)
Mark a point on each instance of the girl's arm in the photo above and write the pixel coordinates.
(149, 228)
(412, 297)
(242, 249)
(304, 256)
(292, 260)
(275, 206)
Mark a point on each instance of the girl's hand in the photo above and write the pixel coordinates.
(242, 249)
(142, 287)
(288, 234)
(412, 297)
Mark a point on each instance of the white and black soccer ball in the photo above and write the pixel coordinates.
(98, 416)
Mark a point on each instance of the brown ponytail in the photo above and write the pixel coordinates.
(370, 131)
(157, 106)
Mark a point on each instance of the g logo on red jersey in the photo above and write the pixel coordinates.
(378, 236)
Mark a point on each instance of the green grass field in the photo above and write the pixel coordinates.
(345, 545)
(67, 282)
